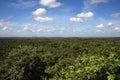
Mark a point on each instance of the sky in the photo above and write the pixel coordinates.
(59, 18)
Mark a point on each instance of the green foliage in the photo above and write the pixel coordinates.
(23, 63)
(59, 59)
(93, 67)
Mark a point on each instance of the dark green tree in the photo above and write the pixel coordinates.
(24, 63)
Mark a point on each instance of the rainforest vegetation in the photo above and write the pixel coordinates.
(59, 58)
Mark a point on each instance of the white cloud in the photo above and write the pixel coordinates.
(51, 30)
(76, 31)
(116, 15)
(81, 17)
(55, 29)
(108, 28)
(109, 24)
(28, 27)
(43, 19)
(98, 1)
(117, 29)
(39, 30)
(85, 15)
(36, 28)
(5, 23)
(2, 23)
(6, 29)
(99, 30)
(100, 26)
(76, 19)
(39, 12)
(50, 3)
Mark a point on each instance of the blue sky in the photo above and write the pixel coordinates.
(59, 18)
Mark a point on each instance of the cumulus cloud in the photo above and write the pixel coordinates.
(43, 19)
(6, 29)
(76, 31)
(99, 30)
(117, 29)
(39, 15)
(98, 1)
(2, 23)
(55, 29)
(39, 30)
(50, 3)
(109, 24)
(116, 15)
(85, 15)
(5, 23)
(39, 12)
(76, 19)
(81, 17)
(107, 28)
(100, 26)
(51, 30)
(28, 27)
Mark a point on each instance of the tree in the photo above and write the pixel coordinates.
(24, 63)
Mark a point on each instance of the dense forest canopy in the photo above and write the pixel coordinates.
(59, 58)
